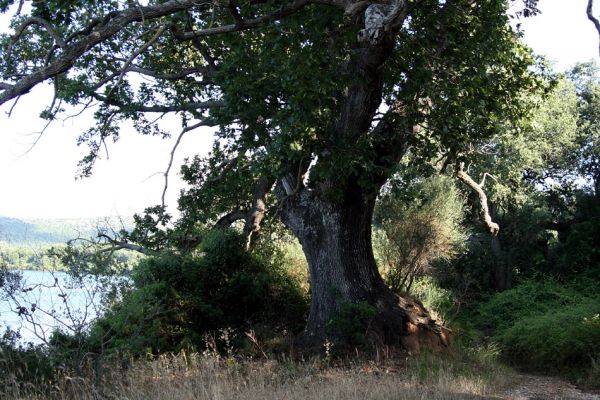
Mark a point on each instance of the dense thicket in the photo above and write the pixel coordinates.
(184, 302)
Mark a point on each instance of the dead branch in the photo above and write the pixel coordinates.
(122, 245)
(485, 175)
(204, 122)
(492, 227)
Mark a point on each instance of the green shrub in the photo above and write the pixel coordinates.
(350, 324)
(547, 326)
(434, 297)
(529, 299)
(178, 299)
(566, 339)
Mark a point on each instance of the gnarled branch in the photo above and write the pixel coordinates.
(97, 32)
(464, 177)
(231, 217)
(121, 245)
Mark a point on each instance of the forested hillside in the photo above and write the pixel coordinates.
(45, 231)
(24, 244)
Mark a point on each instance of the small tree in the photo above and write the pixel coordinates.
(419, 227)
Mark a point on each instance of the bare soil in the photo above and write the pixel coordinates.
(532, 387)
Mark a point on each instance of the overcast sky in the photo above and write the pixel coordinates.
(40, 182)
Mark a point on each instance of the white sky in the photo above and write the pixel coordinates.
(41, 183)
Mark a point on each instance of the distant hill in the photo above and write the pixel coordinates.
(51, 231)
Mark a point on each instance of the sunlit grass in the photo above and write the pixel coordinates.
(210, 376)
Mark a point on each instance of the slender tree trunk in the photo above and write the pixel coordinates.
(336, 239)
(501, 270)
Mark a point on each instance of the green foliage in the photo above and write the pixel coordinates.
(580, 254)
(566, 337)
(350, 324)
(529, 298)
(23, 365)
(178, 299)
(421, 224)
(436, 299)
(546, 325)
(587, 80)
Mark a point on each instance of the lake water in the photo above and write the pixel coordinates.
(47, 301)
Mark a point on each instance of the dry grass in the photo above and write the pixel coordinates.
(208, 376)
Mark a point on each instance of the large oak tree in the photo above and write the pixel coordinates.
(315, 101)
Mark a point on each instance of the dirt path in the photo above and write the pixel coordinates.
(531, 387)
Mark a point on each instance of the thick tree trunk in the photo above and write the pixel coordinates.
(336, 238)
(333, 220)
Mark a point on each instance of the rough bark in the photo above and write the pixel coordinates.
(256, 213)
(336, 239)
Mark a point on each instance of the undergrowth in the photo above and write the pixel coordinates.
(547, 326)
(209, 375)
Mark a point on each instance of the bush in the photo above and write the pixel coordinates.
(547, 325)
(435, 298)
(567, 338)
(178, 299)
(350, 324)
(419, 225)
(529, 299)
(23, 365)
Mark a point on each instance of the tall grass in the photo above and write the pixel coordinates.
(210, 376)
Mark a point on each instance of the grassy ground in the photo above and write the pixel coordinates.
(460, 375)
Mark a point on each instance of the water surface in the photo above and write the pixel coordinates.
(48, 301)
